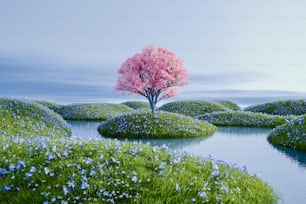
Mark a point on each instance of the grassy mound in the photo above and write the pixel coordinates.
(50, 105)
(291, 135)
(244, 119)
(79, 171)
(28, 119)
(192, 108)
(93, 111)
(228, 104)
(159, 125)
(137, 105)
(287, 107)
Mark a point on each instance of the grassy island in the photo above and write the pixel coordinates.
(27, 119)
(159, 125)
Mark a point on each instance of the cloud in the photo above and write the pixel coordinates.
(43, 79)
(217, 80)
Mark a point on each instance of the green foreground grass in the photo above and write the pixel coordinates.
(93, 111)
(291, 135)
(192, 108)
(159, 125)
(244, 119)
(40, 170)
(29, 119)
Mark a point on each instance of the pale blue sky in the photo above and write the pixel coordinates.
(67, 50)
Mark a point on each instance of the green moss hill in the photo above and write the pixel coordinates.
(28, 118)
(159, 125)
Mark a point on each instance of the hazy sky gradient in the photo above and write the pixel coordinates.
(67, 50)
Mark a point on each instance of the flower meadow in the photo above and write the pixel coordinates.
(40, 162)
(75, 170)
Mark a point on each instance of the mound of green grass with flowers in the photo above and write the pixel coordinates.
(137, 105)
(244, 119)
(53, 106)
(291, 134)
(159, 125)
(93, 111)
(28, 119)
(192, 108)
(228, 104)
(283, 107)
(42, 170)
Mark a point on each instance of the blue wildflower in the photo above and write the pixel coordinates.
(203, 194)
(3, 172)
(28, 175)
(20, 164)
(6, 188)
(134, 179)
(65, 190)
(11, 167)
(71, 184)
(32, 169)
(88, 161)
(84, 185)
(47, 170)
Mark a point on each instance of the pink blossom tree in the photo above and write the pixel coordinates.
(153, 73)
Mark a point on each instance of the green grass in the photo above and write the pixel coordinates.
(53, 106)
(159, 125)
(290, 135)
(283, 107)
(244, 119)
(108, 171)
(192, 108)
(228, 104)
(137, 105)
(28, 118)
(93, 111)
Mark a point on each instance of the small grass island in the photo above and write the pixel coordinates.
(93, 111)
(244, 119)
(291, 134)
(137, 105)
(192, 107)
(281, 107)
(158, 125)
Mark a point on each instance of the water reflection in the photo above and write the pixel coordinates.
(295, 155)
(243, 131)
(172, 143)
(84, 128)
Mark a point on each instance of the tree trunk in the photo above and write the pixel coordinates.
(152, 104)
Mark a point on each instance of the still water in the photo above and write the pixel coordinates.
(284, 170)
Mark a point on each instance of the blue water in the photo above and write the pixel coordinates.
(283, 169)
